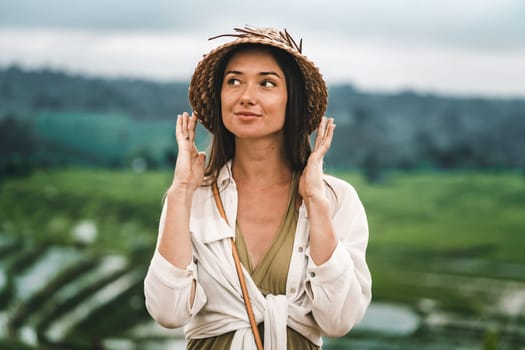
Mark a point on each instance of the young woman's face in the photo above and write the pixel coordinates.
(253, 95)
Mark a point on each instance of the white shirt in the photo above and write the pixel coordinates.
(320, 300)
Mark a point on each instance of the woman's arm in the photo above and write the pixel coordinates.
(175, 241)
(171, 279)
(340, 288)
(338, 281)
(312, 189)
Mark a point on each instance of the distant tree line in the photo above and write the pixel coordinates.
(408, 130)
(17, 146)
(375, 131)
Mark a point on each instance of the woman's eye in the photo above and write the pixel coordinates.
(268, 83)
(233, 81)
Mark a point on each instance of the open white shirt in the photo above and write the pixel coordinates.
(328, 299)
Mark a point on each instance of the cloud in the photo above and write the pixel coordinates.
(467, 23)
(448, 45)
(89, 15)
(154, 56)
(392, 67)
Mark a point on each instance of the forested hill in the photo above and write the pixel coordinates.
(24, 91)
(374, 130)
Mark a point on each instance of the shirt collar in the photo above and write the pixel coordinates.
(225, 174)
(221, 230)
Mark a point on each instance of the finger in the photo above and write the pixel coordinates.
(185, 125)
(329, 123)
(320, 133)
(191, 127)
(327, 140)
(178, 128)
(330, 135)
(201, 158)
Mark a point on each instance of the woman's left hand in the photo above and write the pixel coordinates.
(311, 181)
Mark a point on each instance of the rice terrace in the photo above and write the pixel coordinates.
(446, 254)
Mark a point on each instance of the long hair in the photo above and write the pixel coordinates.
(296, 135)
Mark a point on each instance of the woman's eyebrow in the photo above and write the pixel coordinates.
(236, 72)
(232, 72)
(270, 73)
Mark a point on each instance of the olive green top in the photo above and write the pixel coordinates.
(269, 275)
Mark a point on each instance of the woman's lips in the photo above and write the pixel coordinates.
(245, 115)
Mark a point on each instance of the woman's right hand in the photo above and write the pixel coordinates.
(175, 238)
(189, 168)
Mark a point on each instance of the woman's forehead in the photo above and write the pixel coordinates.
(253, 59)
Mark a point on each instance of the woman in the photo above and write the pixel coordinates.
(301, 235)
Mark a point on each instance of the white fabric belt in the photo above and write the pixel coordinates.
(275, 324)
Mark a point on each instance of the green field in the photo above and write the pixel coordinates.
(449, 246)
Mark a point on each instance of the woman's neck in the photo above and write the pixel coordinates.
(260, 162)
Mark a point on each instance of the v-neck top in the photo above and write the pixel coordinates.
(269, 275)
(272, 271)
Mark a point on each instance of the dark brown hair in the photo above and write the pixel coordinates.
(296, 135)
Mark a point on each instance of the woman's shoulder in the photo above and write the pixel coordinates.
(341, 192)
(339, 185)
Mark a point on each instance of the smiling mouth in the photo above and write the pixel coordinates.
(246, 114)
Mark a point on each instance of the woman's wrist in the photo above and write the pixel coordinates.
(315, 199)
(180, 192)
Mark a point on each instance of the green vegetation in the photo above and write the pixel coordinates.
(467, 215)
(439, 237)
(454, 223)
(51, 118)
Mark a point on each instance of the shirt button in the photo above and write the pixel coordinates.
(292, 290)
(300, 249)
(312, 274)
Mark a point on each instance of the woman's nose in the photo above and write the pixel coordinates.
(248, 96)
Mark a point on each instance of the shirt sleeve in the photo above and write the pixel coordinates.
(167, 289)
(340, 288)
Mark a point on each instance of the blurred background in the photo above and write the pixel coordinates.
(429, 102)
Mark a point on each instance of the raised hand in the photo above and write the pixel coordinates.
(311, 181)
(189, 168)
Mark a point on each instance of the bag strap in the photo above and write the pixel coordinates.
(242, 281)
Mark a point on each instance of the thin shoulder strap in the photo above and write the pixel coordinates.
(237, 261)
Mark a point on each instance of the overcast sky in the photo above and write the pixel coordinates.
(462, 47)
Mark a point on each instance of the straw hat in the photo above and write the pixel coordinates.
(203, 85)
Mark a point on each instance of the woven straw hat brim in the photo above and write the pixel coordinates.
(202, 87)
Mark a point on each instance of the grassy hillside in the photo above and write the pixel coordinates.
(448, 244)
